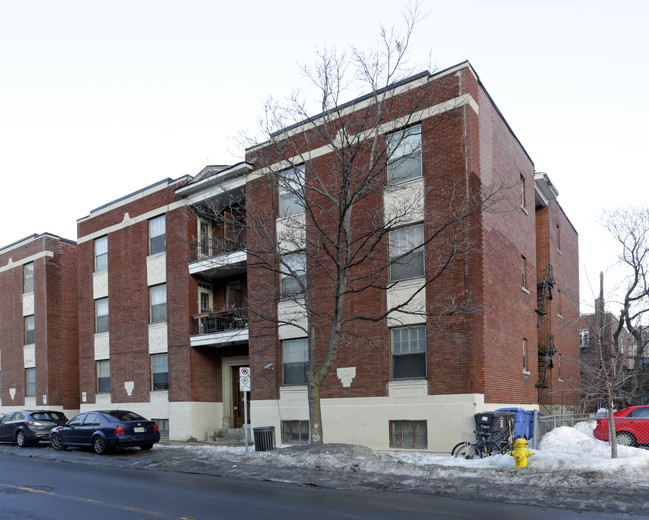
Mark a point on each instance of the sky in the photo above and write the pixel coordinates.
(100, 99)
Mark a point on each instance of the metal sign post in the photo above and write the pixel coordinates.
(244, 386)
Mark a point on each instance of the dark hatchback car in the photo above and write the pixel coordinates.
(104, 430)
(25, 427)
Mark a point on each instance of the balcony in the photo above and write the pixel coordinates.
(220, 256)
(220, 328)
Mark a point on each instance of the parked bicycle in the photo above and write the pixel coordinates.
(488, 444)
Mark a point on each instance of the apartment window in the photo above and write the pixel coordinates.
(295, 361)
(404, 154)
(559, 306)
(232, 228)
(524, 272)
(291, 191)
(204, 238)
(101, 254)
(584, 338)
(163, 427)
(559, 370)
(522, 186)
(158, 299)
(558, 238)
(30, 382)
(408, 434)
(157, 235)
(101, 315)
(408, 352)
(28, 278)
(30, 334)
(406, 253)
(293, 274)
(525, 368)
(295, 432)
(160, 372)
(103, 376)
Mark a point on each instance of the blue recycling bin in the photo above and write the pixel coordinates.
(523, 421)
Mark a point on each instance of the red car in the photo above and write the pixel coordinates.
(631, 425)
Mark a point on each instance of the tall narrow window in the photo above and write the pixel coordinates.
(558, 238)
(204, 238)
(233, 229)
(559, 370)
(103, 376)
(293, 274)
(295, 361)
(522, 185)
(404, 154)
(30, 382)
(160, 372)
(525, 369)
(28, 278)
(158, 299)
(101, 315)
(584, 338)
(101, 254)
(157, 234)
(406, 253)
(291, 191)
(408, 352)
(30, 335)
(524, 272)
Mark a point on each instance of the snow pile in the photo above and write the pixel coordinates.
(565, 448)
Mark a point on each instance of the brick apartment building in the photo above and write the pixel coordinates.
(415, 379)
(38, 324)
(170, 301)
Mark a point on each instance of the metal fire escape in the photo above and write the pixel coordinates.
(547, 351)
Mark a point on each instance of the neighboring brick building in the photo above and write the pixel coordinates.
(487, 359)
(38, 325)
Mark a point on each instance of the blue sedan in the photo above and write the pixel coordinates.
(103, 430)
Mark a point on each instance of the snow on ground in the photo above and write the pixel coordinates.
(564, 449)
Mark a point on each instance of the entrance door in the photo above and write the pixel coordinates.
(237, 400)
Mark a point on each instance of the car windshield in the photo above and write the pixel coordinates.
(123, 415)
(49, 416)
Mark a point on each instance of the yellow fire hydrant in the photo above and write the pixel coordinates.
(520, 452)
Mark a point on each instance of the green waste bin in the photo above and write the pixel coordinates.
(264, 438)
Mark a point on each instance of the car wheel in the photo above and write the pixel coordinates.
(56, 442)
(20, 439)
(626, 439)
(146, 446)
(99, 445)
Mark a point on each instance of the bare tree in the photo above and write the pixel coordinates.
(343, 236)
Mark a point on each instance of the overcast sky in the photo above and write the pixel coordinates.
(99, 99)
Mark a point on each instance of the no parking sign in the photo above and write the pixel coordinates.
(244, 379)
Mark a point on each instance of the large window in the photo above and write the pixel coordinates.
(408, 352)
(103, 376)
(295, 361)
(30, 382)
(158, 299)
(28, 278)
(408, 434)
(160, 372)
(101, 254)
(30, 335)
(404, 154)
(101, 315)
(293, 274)
(157, 235)
(291, 191)
(407, 253)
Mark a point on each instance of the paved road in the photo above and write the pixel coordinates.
(38, 489)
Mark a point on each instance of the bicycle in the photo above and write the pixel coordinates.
(483, 447)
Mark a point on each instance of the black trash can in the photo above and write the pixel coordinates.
(264, 438)
(499, 424)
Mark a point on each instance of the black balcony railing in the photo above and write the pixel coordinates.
(211, 247)
(221, 321)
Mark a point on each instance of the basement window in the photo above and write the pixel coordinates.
(409, 434)
(295, 432)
